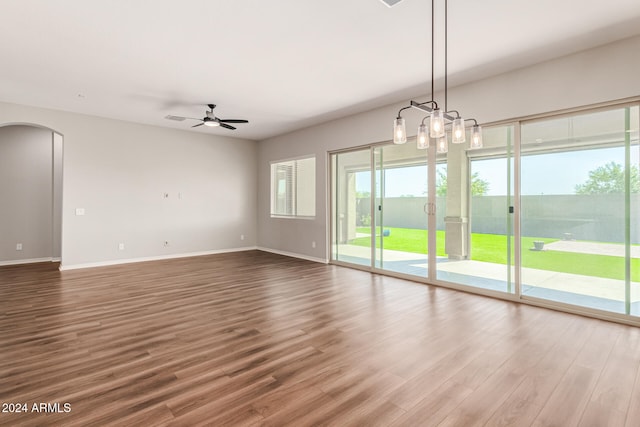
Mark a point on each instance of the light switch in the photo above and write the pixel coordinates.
(18, 246)
(79, 211)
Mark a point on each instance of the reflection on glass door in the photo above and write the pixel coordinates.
(579, 176)
(402, 209)
(352, 223)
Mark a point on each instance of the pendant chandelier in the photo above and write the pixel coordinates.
(440, 122)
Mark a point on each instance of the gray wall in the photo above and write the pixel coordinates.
(118, 172)
(26, 191)
(602, 74)
(596, 217)
(405, 212)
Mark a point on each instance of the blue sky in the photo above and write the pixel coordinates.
(551, 173)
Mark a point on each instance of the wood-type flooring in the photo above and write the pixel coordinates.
(252, 339)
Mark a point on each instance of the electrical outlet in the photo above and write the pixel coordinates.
(121, 246)
(242, 237)
(18, 246)
(313, 244)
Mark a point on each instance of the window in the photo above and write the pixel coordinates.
(293, 188)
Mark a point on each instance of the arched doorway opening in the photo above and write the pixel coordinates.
(31, 158)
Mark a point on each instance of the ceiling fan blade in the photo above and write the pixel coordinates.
(175, 118)
(224, 125)
(233, 121)
(180, 118)
(199, 124)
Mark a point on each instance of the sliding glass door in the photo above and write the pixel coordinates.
(579, 194)
(387, 216)
(352, 219)
(380, 208)
(474, 191)
(402, 209)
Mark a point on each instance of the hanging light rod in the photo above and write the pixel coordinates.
(420, 106)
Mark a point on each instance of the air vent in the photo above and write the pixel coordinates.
(390, 3)
(176, 118)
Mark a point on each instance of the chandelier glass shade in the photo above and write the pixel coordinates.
(399, 131)
(476, 137)
(422, 139)
(458, 131)
(442, 145)
(437, 124)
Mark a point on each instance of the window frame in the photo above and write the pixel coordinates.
(289, 171)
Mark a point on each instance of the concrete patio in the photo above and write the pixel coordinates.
(587, 291)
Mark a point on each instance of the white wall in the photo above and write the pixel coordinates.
(602, 74)
(119, 172)
(26, 194)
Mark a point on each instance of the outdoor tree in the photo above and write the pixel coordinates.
(609, 178)
(479, 187)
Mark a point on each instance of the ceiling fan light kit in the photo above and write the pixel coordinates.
(209, 122)
(209, 119)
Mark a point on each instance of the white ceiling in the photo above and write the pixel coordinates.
(281, 64)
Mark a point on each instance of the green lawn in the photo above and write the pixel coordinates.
(493, 248)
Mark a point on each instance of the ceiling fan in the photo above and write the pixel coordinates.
(209, 119)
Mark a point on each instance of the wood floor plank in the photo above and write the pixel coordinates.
(435, 406)
(610, 399)
(567, 403)
(257, 339)
(633, 413)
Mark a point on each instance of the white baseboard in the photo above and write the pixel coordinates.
(25, 261)
(152, 258)
(293, 255)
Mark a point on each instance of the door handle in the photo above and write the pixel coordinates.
(430, 208)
